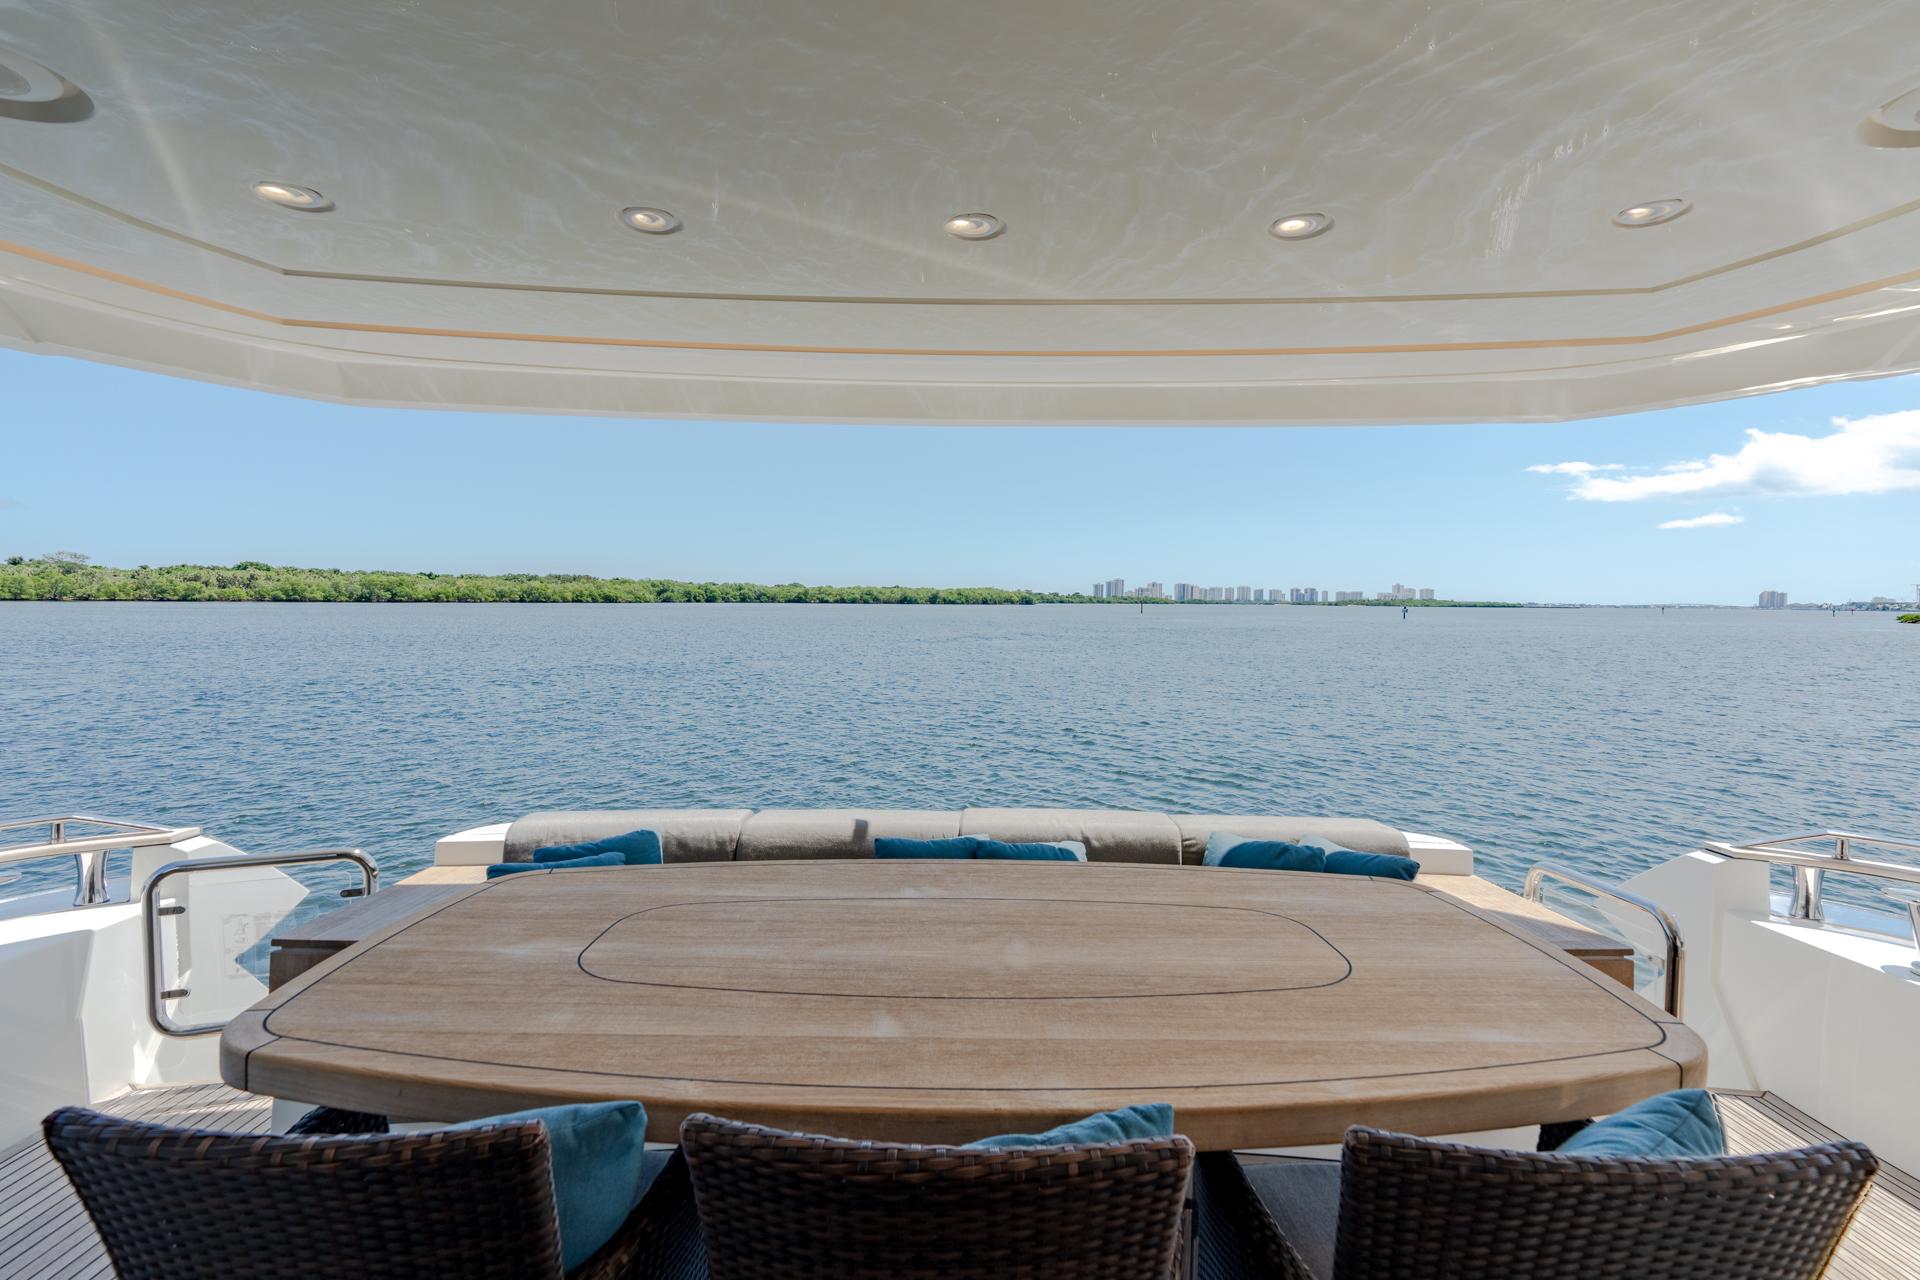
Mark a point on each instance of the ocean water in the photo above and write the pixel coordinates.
(1608, 738)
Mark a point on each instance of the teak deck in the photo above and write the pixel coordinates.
(943, 1002)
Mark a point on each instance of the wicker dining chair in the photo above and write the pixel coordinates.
(1405, 1208)
(190, 1204)
(796, 1206)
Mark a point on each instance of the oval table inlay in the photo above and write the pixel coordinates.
(954, 948)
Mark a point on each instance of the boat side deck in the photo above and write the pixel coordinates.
(45, 1233)
(1884, 1240)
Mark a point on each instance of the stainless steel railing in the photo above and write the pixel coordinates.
(152, 909)
(1810, 869)
(1676, 947)
(89, 852)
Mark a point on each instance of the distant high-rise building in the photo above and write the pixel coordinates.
(1401, 592)
(1259, 595)
(1385, 595)
(1339, 596)
(1244, 595)
(1426, 593)
(1155, 591)
(1116, 586)
(1276, 596)
(1773, 599)
(1313, 595)
(1099, 590)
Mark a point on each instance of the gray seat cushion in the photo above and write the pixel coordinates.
(686, 835)
(1303, 1198)
(837, 833)
(1363, 834)
(1111, 835)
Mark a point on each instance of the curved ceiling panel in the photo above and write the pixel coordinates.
(440, 203)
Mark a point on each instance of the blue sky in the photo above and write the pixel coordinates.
(135, 468)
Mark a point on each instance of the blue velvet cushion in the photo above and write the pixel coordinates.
(499, 869)
(1274, 855)
(901, 847)
(1664, 1127)
(1351, 862)
(638, 848)
(1033, 852)
(598, 1157)
(1142, 1120)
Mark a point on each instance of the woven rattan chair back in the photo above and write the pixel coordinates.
(801, 1207)
(184, 1204)
(1412, 1208)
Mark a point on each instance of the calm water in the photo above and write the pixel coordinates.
(1610, 738)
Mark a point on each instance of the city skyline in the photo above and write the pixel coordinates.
(1814, 492)
(1189, 592)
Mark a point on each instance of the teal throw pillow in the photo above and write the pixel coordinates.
(599, 1149)
(637, 848)
(1142, 1120)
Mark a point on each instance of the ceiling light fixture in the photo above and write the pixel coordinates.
(654, 222)
(1651, 213)
(38, 94)
(974, 226)
(1299, 226)
(288, 196)
(1895, 123)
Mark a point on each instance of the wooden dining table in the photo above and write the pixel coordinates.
(943, 1001)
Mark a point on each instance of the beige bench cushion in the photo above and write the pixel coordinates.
(686, 835)
(1111, 835)
(1363, 834)
(837, 833)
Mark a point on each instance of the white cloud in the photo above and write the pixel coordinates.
(1575, 468)
(1713, 521)
(1880, 454)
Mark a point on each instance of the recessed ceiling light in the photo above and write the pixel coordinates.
(288, 196)
(974, 226)
(655, 222)
(38, 94)
(1652, 213)
(1299, 226)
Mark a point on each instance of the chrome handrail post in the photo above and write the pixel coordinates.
(90, 870)
(1913, 920)
(1806, 895)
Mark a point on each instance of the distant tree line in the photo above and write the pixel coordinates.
(68, 575)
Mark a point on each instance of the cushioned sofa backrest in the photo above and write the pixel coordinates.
(837, 833)
(1111, 835)
(686, 835)
(1363, 834)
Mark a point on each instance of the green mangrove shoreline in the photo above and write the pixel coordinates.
(67, 577)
